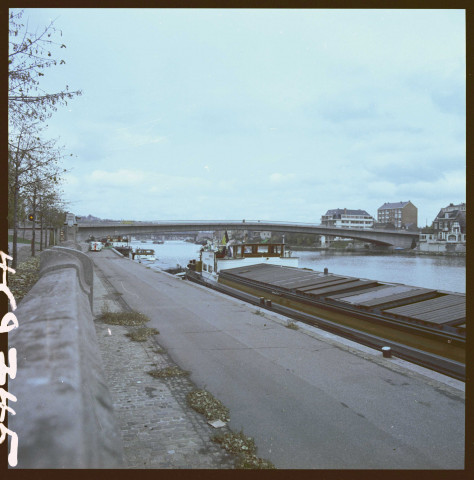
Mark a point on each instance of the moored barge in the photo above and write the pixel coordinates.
(421, 319)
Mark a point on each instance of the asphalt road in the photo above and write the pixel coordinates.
(307, 400)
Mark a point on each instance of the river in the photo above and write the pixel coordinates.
(438, 272)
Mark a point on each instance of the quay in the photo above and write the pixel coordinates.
(310, 399)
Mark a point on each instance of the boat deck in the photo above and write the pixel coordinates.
(404, 302)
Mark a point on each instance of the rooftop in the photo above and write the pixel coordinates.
(345, 211)
(390, 206)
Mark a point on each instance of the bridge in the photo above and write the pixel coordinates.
(389, 238)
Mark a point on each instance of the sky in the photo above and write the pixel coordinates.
(279, 115)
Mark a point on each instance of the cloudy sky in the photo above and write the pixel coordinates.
(259, 114)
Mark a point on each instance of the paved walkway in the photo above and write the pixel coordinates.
(348, 405)
(158, 429)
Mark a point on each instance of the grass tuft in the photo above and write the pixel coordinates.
(204, 403)
(142, 334)
(168, 372)
(236, 442)
(124, 318)
(253, 462)
(245, 448)
(292, 325)
(25, 276)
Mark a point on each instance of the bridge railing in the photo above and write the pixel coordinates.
(243, 224)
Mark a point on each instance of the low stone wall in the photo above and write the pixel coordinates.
(442, 247)
(64, 415)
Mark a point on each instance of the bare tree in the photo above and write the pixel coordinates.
(33, 169)
(33, 161)
(30, 54)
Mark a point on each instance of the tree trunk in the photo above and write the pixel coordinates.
(15, 220)
(41, 228)
(34, 224)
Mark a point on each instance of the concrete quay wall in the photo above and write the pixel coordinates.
(64, 414)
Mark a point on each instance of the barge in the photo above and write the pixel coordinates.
(125, 250)
(421, 319)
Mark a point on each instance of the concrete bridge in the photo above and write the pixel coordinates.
(388, 238)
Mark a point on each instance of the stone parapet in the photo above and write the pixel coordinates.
(59, 258)
(64, 414)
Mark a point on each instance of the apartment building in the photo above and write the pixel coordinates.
(400, 214)
(345, 218)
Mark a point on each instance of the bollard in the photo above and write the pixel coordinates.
(387, 352)
(268, 303)
(262, 301)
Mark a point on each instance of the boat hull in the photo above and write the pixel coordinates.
(378, 326)
(340, 304)
(150, 258)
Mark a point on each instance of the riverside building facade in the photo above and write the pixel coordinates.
(342, 217)
(448, 231)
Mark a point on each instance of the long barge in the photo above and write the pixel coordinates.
(423, 320)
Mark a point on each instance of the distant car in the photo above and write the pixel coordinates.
(96, 246)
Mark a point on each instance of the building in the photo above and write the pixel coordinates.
(450, 223)
(401, 214)
(448, 231)
(342, 217)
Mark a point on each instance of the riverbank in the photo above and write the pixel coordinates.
(298, 248)
(258, 368)
(262, 371)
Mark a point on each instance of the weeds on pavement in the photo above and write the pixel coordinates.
(168, 372)
(204, 403)
(123, 318)
(142, 334)
(245, 448)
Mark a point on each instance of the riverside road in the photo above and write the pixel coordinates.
(308, 399)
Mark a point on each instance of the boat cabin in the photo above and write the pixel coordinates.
(144, 254)
(216, 258)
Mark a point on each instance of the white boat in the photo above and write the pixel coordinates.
(144, 254)
(116, 243)
(215, 258)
